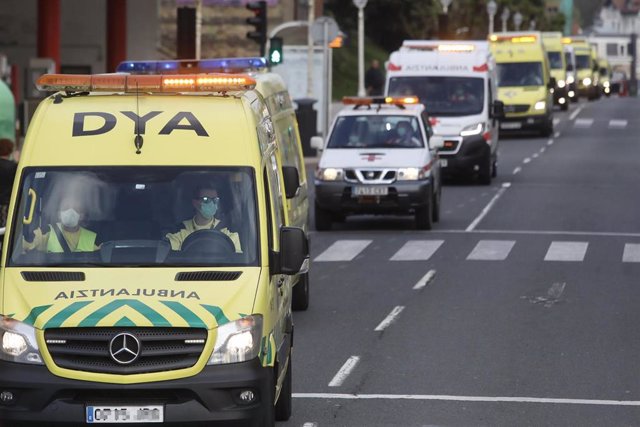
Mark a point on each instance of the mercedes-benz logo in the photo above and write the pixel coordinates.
(124, 348)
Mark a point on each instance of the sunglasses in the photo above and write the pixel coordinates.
(207, 199)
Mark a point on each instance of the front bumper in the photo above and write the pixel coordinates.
(467, 159)
(525, 123)
(559, 93)
(208, 398)
(403, 197)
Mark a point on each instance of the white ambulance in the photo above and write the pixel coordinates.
(456, 81)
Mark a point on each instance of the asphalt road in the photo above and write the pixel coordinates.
(521, 307)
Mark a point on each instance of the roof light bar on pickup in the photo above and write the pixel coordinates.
(170, 83)
(394, 100)
(216, 65)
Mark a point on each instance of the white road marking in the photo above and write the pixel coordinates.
(487, 208)
(618, 124)
(575, 113)
(517, 170)
(389, 319)
(426, 279)
(543, 149)
(556, 121)
(486, 399)
(343, 250)
(553, 296)
(566, 251)
(310, 425)
(543, 233)
(556, 135)
(535, 155)
(556, 290)
(417, 250)
(550, 142)
(491, 250)
(631, 253)
(526, 160)
(344, 372)
(583, 123)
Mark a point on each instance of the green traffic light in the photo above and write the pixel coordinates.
(275, 50)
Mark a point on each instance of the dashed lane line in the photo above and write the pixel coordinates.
(392, 317)
(517, 170)
(345, 371)
(487, 208)
(526, 160)
(425, 280)
(550, 142)
(310, 425)
(575, 113)
(556, 135)
(483, 399)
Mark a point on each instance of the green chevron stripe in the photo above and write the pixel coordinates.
(154, 317)
(189, 316)
(217, 312)
(57, 320)
(35, 312)
(125, 322)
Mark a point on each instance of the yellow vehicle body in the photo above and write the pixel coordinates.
(605, 76)
(552, 42)
(586, 78)
(187, 135)
(524, 81)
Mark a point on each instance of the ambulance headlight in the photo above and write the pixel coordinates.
(586, 81)
(606, 84)
(570, 80)
(329, 174)
(237, 341)
(19, 343)
(540, 105)
(474, 129)
(410, 174)
(561, 83)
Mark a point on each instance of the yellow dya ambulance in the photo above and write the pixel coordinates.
(570, 60)
(524, 81)
(272, 88)
(605, 76)
(595, 60)
(587, 80)
(146, 271)
(552, 42)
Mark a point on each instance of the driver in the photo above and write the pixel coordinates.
(206, 203)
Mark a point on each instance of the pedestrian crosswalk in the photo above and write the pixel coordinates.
(484, 250)
(586, 123)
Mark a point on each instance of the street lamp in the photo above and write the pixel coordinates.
(492, 8)
(360, 4)
(504, 17)
(517, 20)
(445, 5)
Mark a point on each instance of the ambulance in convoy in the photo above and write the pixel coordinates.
(456, 81)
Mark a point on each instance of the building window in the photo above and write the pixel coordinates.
(612, 49)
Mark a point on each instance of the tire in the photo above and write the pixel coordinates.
(435, 215)
(565, 106)
(323, 219)
(284, 405)
(300, 294)
(424, 215)
(547, 130)
(486, 172)
(494, 171)
(268, 407)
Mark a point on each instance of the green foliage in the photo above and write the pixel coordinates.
(345, 65)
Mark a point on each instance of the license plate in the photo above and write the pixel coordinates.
(510, 125)
(125, 414)
(370, 190)
(443, 163)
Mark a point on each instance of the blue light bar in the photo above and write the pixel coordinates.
(218, 65)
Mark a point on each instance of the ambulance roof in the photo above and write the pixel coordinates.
(417, 57)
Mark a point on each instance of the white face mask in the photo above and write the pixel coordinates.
(69, 218)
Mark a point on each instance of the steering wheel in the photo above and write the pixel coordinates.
(208, 241)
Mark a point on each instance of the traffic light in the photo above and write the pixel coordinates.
(275, 51)
(259, 21)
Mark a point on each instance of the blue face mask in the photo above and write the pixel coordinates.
(208, 209)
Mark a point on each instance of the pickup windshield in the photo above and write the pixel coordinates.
(443, 96)
(135, 216)
(520, 74)
(370, 131)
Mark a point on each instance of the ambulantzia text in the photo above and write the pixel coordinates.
(92, 293)
(182, 120)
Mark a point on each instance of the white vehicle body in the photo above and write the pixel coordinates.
(434, 71)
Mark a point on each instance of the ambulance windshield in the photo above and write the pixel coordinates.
(520, 74)
(583, 62)
(555, 60)
(135, 216)
(443, 96)
(376, 131)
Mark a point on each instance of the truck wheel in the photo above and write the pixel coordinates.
(424, 215)
(485, 173)
(437, 195)
(494, 171)
(565, 106)
(323, 219)
(300, 294)
(285, 404)
(268, 404)
(547, 130)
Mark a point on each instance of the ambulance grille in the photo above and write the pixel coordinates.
(516, 108)
(160, 349)
(208, 276)
(53, 276)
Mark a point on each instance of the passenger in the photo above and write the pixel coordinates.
(67, 235)
(206, 202)
(404, 136)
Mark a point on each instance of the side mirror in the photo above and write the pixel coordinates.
(293, 257)
(552, 82)
(498, 110)
(436, 142)
(317, 142)
(291, 181)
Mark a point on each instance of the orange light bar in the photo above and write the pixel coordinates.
(513, 39)
(566, 40)
(146, 83)
(395, 100)
(456, 48)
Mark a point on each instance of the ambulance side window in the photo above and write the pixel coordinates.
(267, 198)
(274, 197)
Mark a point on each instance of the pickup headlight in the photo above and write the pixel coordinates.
(586, 81)
(410, 174)
(19, 343)
(561, 83)
(475, 129)
(540, 105)
(237, 341)
(329, 174)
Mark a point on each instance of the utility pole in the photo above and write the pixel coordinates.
(361, 4)
(310, 17)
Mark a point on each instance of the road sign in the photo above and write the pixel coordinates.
(324, 30)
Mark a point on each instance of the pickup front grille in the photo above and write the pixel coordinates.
(159, 349)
